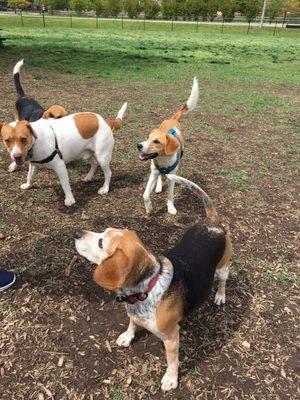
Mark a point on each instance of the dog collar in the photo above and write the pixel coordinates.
(167, 170)
(133, 298)
(52, 155)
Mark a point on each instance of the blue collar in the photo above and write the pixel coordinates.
(167, 170)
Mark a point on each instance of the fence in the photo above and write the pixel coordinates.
(89, 20)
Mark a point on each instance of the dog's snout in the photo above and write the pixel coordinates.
(78, 233)
(140, 146)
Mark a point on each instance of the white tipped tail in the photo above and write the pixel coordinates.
(210, 210)
(122, 111)
(190, 104)
(18, 67)
(194, 96)
(116, 123)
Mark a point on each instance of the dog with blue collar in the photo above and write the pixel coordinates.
(165, 147)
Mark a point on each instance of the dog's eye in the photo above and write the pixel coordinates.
(100, 243)
(8, 140)
(23, 140)
(156, 141)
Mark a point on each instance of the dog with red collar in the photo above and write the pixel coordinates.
(160, 291)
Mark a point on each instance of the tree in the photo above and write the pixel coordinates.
(98, 7)
(22, 4)
(133, 8)
(275, 6)
(78, 6)
(227, 8)
(168, 8)
(291, 5)
(212, 8)
(252, 9)
(193, 8)
(56, 4)
(151, 8)
(114, 7)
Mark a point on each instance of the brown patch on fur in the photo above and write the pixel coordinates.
(227, 252)
(87, 124)
(128, 261)
(169, 124)
(170, 312)
(114, 123)
(180, 113)
(55, 111)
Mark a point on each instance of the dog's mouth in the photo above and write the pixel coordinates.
(19, 160)
(145, 157)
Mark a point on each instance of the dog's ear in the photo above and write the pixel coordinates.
(46, 115)
(171, 145)
(112, 272)
(55, 112)
(26, 123)
(2, 123)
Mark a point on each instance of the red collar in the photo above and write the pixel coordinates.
(133, 298)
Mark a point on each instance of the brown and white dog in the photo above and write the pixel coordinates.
(56, 142)
(165, 146)
(160, 291)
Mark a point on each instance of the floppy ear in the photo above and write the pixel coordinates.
(171, 145)
(2, 123)
(112, 272)
(24, 122)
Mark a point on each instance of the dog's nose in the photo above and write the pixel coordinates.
(78, 234)
(18, 156)
(139, 146)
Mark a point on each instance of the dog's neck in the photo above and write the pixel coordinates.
(165, 161)
(146, 309)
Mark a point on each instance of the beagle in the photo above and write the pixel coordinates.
(164, 147)
(27, 108)
(160, 291)
(55, 142)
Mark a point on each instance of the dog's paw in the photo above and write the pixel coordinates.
(13, 167)
(69, 201)
(169, 382)
(125, 339)
(149, 208)
(171, 209)
(220, 298)
(25, 186)
(103, 190)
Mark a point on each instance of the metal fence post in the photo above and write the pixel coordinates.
(144, 23)
(44, 21)
(122, 22)
(197, 26)
(97, 22)
(71, 22)
(248, 28)
(275, 27)
(22, 22)
(222, 30)
(172, 25)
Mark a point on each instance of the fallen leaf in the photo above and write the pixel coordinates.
(61, 361)
(246, 344)
(108, 345)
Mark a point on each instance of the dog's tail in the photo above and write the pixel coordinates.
(16, 75)
(210, 210)
(116, 123)
(190, 104)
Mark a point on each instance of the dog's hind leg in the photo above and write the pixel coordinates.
(171, 208)
(222, 275)
(104, 164)
(91, 173)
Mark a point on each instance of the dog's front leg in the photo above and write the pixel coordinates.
(170, 203)
(170, 379)
(149, 189)
(158, 188)
(13, 167)
(126, 337)
(60, 168)
(30, 176)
